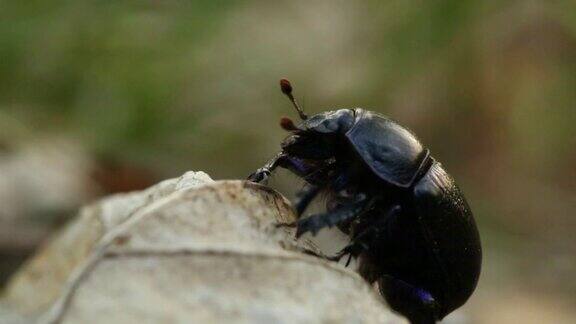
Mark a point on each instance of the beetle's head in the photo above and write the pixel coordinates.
(302, 142)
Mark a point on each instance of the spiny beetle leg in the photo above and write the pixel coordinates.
(317, 222)
(304, 197)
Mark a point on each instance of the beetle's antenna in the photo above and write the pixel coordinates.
(287, 124)
(286, 88)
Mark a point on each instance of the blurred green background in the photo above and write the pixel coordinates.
(99, 97)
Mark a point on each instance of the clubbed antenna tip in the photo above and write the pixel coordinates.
(287, 124)
(286, 88)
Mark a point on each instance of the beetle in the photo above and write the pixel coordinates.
(410, 227)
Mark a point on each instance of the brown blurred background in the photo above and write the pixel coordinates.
(98, 97)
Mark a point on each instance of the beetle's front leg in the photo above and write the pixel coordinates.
(302, 168)
(263, 173)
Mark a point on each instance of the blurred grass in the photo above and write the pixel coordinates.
(111, 73)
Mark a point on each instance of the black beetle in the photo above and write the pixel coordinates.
(409, 225)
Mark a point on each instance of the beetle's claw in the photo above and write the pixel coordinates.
(261, 175)
(300, 225)
(336, 257)
(350, 250)
(349, 259)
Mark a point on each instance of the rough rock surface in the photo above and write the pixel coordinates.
(188, 250)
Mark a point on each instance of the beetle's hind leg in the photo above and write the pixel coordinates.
(360, 241)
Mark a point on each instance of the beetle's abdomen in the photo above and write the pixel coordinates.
(450, 234)
(390, 150)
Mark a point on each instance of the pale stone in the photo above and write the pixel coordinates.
(187, 250)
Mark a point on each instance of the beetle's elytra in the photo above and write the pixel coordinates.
(410, 227)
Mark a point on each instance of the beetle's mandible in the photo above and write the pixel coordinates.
(410, 227)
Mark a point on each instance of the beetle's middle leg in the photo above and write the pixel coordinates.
(304, 197)
(317, 222)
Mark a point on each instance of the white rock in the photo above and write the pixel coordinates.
(187, 250)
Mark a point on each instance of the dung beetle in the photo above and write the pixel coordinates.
(409, 225)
